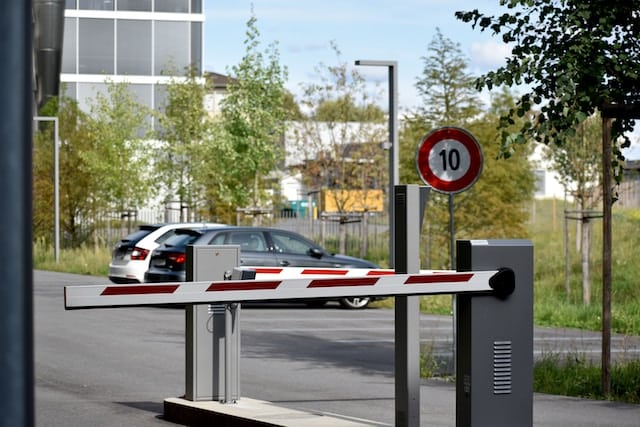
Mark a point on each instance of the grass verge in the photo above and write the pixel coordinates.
(574, 375)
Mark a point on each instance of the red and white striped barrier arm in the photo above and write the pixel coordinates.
(300, 272)
(278, 289)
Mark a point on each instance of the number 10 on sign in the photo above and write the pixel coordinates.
(449, 159)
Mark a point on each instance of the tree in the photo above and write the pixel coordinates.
(77, 184)
(119, 160)
(446, 87)
(339, 145)
(489, 209)
(578, 166)
(292, 109)
(577, 57)
(253, 114)
(449, 99)
(102, 163)
(339, 142)
(182, 134)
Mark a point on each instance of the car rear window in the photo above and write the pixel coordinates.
(136, 236)
(181, 239)
(163, 238)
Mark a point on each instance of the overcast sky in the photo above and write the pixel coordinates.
(395, 30)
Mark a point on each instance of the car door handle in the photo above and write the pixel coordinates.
(284, 263)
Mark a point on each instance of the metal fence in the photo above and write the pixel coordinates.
(360, 235)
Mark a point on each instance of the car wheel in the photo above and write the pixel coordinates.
(354, 302)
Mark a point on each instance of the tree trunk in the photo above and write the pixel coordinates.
(364, 235)
(586, 243)
(579, 227)
(343, 239)
(567, 265)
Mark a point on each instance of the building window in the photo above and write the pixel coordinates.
(134, 47)
(69, 46)
(96, 4)
(171, 38)
(196, 45)
(172, 6)
(136, 5)
(95, 40)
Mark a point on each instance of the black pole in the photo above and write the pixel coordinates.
(607, 202)
(16, 305)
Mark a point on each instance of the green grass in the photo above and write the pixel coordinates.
(84, 260)
(552, 305)
(573, 375)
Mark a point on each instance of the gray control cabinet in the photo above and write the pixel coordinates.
(212, 342)
(494, 339)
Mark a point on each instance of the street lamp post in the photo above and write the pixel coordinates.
(393, 143)
(56, 184)
(407, 308)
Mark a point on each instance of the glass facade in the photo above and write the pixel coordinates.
(96, 4)
(171, 46)
(138, 41)
(95, 46)
(69, 52)
(134, 47)
(165, 6)
(135, 5)
(172, 6)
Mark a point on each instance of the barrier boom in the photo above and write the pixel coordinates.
(204, 292)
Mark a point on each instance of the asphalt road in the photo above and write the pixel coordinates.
(115, 367)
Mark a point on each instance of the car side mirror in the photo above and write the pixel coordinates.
(316, 253)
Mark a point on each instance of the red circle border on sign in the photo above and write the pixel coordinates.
(456, 134)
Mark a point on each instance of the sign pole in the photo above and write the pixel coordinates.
(450, 160)
(452, 254)
(452, 234)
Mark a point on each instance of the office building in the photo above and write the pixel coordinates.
(138, 41)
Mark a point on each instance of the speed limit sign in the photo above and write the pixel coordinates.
(449, 159)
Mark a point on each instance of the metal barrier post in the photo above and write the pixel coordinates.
(212, 345)
(494, 339)
(409, 207)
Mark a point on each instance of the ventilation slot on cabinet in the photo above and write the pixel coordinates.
(502, 367)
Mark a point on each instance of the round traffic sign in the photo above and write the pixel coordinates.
(449, 159)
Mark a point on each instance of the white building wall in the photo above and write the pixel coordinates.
(548, 185)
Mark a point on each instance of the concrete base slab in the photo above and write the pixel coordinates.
(249, 413)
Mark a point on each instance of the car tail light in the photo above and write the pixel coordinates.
(177, 258)
(139, 254)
